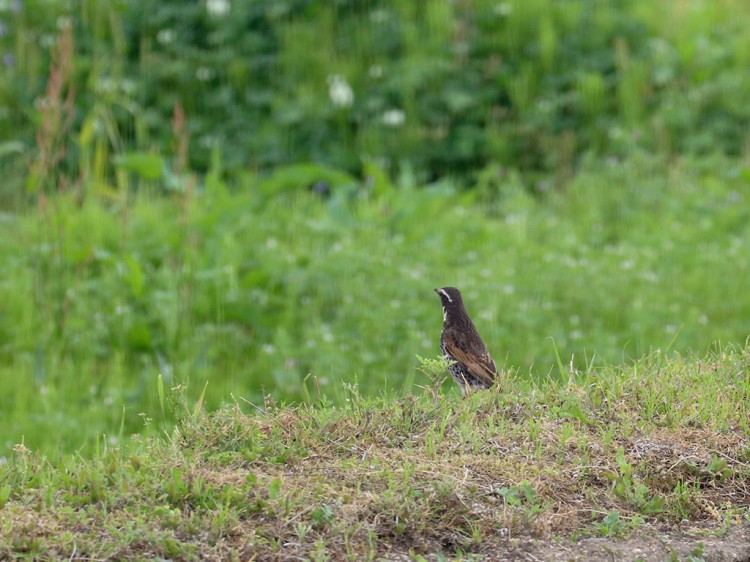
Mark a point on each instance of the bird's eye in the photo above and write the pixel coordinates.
(445, 294)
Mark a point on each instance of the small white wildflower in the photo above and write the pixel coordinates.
(209, 141)
(616, 133)
(166, 36)
(204, 74)
(128, 87)
(503, 9)
(268, 348)
(545, 106)
(394, 118)
(340, 91)
(376, 71)
(217, 8)
(47, 40)
(104, 85)
(379, 16)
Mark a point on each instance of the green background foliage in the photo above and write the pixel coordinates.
(440, 88)
(265, 198)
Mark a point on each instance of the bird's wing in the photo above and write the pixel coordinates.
(480, 365)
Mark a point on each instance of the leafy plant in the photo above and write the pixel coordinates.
(628, 487)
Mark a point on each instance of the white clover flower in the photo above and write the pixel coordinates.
(340, 91)
(217, 8)
(166, 36)
(393, 118)
(379, 16)
(503, 8)
(204, 74)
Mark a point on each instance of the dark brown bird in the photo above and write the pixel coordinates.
(460, 342)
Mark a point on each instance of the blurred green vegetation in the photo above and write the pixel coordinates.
(289, 292)
(262, 195)
(437, 88)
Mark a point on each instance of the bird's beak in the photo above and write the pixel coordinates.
(436, 290)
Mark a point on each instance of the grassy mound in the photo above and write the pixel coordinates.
(608, 452)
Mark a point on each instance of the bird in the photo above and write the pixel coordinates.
(469, 361)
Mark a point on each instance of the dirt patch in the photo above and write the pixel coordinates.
(647, 545)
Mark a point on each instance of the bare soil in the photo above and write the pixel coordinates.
(649, 544)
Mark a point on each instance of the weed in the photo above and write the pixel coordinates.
(628, 487)
(611, 525)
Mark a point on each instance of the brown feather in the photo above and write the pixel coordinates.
(475, 358)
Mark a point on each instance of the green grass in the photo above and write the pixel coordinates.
(604, 453)
(276, 290)
(152, 223)
(217, 276)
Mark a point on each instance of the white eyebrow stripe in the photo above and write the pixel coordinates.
(447, 296)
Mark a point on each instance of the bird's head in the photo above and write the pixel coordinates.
(451, 299)
(449, 296)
